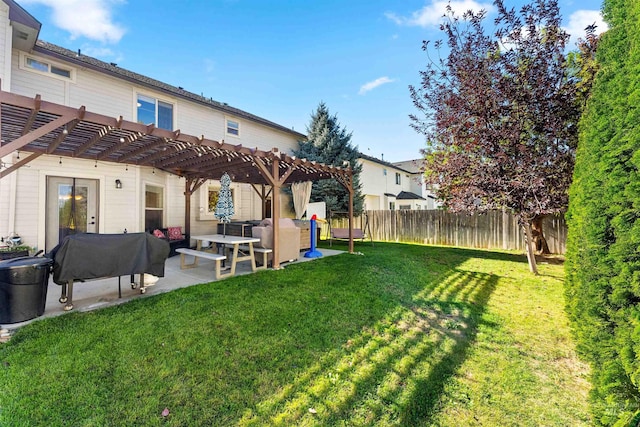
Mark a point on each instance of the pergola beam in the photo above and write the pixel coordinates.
(19, 164)
(34, 134)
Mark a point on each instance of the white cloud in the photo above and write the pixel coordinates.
(374, 84)
(85, 18)
(431, 14)
(581, 19)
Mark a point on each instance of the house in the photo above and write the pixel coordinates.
(391, 186)
(418, 186)
(89, 146)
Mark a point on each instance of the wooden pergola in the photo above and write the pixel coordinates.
(32, 125)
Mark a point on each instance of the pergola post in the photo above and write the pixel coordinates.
(347, 182)
(275, 206)
(350, 190)
(187, 210)
(264, 194)
(190, 186)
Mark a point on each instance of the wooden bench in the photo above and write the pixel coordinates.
(264, 251)
(199, 254)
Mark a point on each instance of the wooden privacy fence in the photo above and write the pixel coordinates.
(491, 230)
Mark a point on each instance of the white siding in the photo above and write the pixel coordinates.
(254, 135)
(375, 182)
(5, 46)
(113, 97)
(30, 84)
(101, 94)
(5, 197)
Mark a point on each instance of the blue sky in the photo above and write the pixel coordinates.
(279, 59)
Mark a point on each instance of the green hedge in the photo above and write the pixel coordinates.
(603, 246)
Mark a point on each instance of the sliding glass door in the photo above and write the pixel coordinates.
(72, 207)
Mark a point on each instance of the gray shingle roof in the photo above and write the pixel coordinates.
(407, 195)
(382, 162)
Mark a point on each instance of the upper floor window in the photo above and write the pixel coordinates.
(154, 111)
(233, 128)
(397, 178)
(46, 67)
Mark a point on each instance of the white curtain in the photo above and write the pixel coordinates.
(301, 195)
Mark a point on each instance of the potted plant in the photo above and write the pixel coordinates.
(9, 252)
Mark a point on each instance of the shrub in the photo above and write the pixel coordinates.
(603, 247)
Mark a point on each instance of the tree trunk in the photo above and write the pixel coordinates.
(531, 256)
(539, 241)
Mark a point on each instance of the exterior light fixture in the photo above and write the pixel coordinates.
(118, 184)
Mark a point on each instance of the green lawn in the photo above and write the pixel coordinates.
(401, 335)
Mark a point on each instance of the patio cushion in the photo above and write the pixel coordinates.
(159, 234)
(175, 233)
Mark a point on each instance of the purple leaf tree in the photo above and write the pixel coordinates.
(500, 115)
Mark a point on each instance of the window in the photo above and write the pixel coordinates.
(154, 111)
(392, 206)
(233, 128)
(212, 198)
(45, 67)
(405, 207)
(37, 65)
(153, 207)
(397, 178)
(60, 71)
(384, 172)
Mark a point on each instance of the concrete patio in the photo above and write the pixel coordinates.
(100, 293)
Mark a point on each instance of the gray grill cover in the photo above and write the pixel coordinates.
(92, 256)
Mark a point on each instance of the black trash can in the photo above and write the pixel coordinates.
(23, 288)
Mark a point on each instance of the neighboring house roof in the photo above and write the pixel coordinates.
(413, 166)
(407, 195)
(389, 195)
(382, 162)
(112, 69)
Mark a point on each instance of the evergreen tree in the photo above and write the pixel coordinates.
(329, 143)
(603, 247)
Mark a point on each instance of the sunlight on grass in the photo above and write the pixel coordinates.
(397, 355)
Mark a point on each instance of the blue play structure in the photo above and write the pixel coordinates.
(312, 252)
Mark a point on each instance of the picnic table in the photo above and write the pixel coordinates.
(233, 243)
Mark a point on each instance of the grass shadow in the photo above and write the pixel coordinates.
(392, 371)
(344, 340)
(472, 301)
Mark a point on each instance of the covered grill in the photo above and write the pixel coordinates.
(92, 256)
